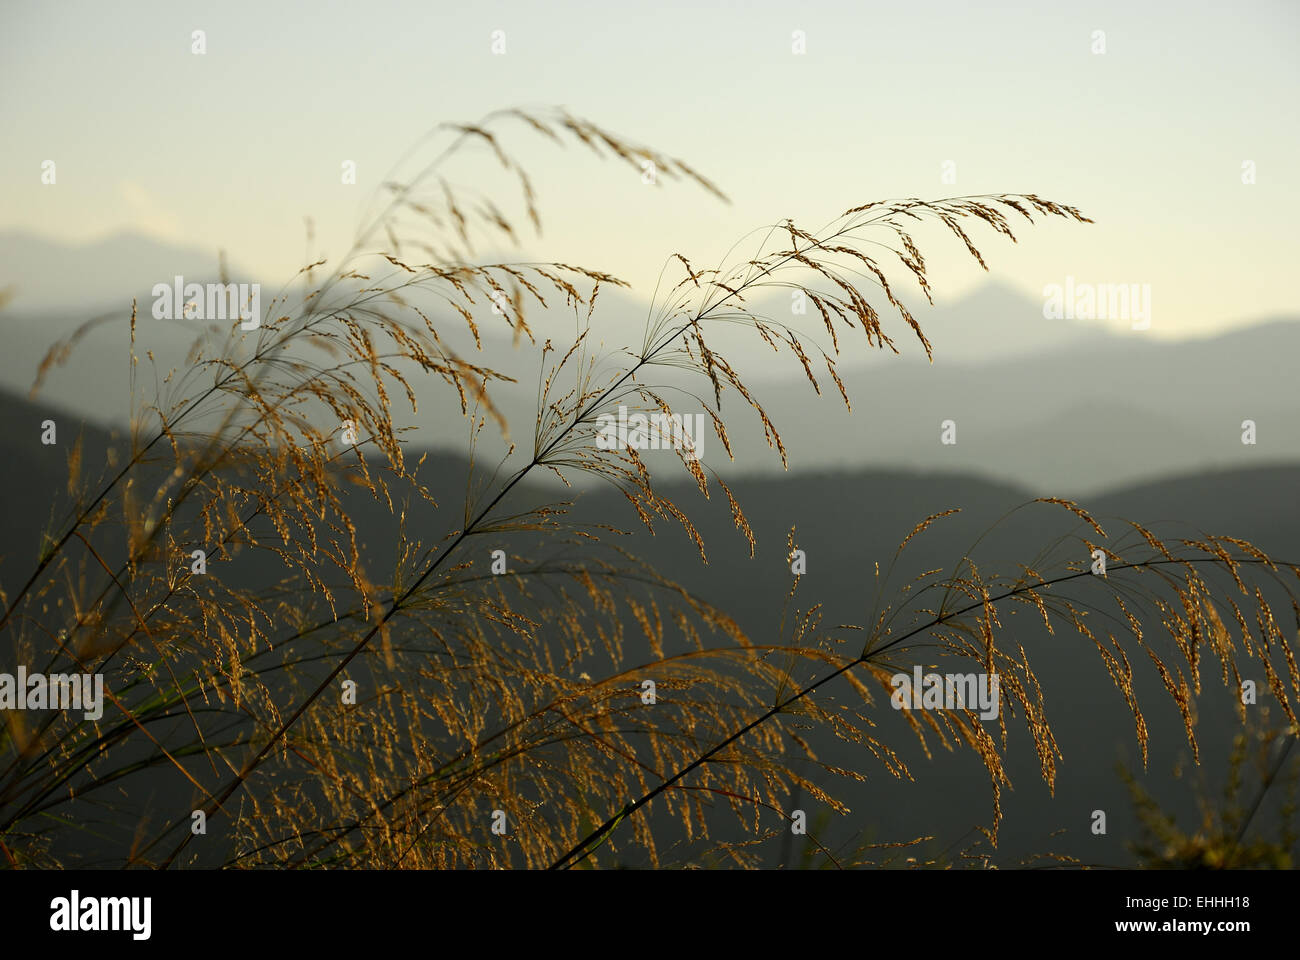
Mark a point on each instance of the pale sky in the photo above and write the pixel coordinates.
(232, 149)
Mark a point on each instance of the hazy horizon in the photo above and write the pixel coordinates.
(233, 148)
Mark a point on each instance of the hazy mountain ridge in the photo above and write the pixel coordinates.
(1058, 407)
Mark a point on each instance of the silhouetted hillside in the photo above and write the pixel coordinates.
(847, 522)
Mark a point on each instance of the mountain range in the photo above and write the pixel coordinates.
(1056, 407)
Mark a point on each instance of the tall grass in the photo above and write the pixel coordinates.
(475, 691)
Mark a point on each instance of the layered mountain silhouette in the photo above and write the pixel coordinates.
(1056, 407)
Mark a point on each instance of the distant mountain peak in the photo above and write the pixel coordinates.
(53, 274)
